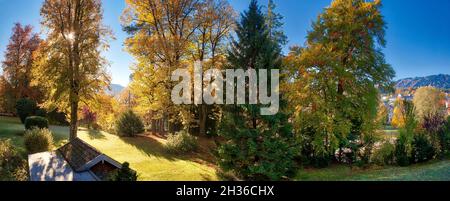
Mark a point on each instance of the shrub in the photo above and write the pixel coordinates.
(12, 166)
(129, 124)
(89, 117)
(41, 112)
(36, 122)
(444, 137)
(403, 146)
(25, 108)
(57, 118)
(385, 155)
(422, 149)
(181, 142)
(125, 174)
(402, 150)
(38, 140)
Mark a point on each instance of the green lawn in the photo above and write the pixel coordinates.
(146, 155)
(153, 163)
(432, 171)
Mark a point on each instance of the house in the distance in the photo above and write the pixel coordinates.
(75, 161)
(447, 103)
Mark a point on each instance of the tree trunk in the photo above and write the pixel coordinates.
(73, 119)
(203, 114)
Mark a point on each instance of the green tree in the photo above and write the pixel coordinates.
(256, 147)
(403, 148)
(336, 74)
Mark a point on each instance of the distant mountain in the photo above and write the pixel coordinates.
(440, 81)
(115, 89)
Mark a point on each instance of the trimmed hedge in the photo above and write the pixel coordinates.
(36, 122)
(25, 108)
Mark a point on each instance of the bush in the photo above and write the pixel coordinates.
(38, 140)
(125, 174)
(41, 112)
(12, 166)
(57, 118)
(402, 151)
(444, 137)
(181, 142)
(36, 122)
(385, 155)
(25, 108)
(422, 149)
(129, 124)
(88, 117)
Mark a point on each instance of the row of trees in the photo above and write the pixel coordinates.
(428, 101)
(330, 87)
(329, 108)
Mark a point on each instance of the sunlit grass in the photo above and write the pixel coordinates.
(146, 155)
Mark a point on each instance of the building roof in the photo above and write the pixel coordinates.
(78, 153)
(72, 162)
(51, 166)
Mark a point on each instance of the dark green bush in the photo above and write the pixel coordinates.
(125, 174)
(36, 122)
(181, 142)
(12, 165)
(57, 118)
(25, 108)
(38, 140)
(401, 151)
(129, 124)
(444, 138)
(41, 112)
(422, 149)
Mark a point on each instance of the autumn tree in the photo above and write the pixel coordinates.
(161, 33)
(216, 20)
(18, 64)
(335, 76)
(398, 116)
(70, 65)
(429, 102)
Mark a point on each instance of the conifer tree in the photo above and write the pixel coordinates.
(257, 147)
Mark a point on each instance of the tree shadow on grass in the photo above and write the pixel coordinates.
(152, 147)
(94, 134)
(149, 146)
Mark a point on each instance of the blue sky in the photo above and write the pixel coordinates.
(418, 32)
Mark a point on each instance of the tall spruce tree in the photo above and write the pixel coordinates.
(257, 147)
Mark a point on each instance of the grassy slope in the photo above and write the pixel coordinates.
(146, 155)
(432, 171)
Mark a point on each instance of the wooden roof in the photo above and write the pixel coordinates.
(78, 153)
